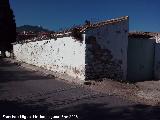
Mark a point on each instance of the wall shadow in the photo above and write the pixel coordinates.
(86, 111)
(155, 74)
(99, 62)
(104, 112)
(11, 72)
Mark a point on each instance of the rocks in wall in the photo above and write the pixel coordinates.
(102, 54)
(100, 62)
(63, 56)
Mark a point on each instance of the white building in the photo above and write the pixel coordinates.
(143, 56)
(88, 52)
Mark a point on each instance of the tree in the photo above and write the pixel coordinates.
(7, 27)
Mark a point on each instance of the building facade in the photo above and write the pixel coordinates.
(143, 56)
(91, 51)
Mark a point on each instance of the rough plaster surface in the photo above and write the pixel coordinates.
(157, 57)
(141, 52)
(64, 55)
(102, 54)
(106, 51)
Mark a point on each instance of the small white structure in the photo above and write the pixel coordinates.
(100, 51)
(8, 54)
(157, 56)
(143, 56)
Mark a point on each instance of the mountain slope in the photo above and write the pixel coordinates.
(31, 28)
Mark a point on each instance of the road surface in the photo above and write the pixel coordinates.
(25, 92)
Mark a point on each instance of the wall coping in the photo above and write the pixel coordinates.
(68, 33)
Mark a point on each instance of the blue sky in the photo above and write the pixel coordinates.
(55, 14)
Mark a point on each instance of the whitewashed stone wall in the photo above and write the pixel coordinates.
(106, 51)
(157, 57)
(102, 54)
(65, 56)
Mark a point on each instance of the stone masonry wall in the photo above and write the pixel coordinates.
(106, 51)
(101, 54)
(64, 55)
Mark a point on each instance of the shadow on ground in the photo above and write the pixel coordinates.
(86, 111)
(104, 112)
(10, 72)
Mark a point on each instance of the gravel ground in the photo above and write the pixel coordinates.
(25, 89)
(140, 92)
(146, 92)
(28, 89)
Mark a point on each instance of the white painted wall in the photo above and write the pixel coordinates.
(64, 55)
(113, 37)
(68, 56)
(157, 57)
(141, 53)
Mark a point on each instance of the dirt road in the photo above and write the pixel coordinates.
(25, 92)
